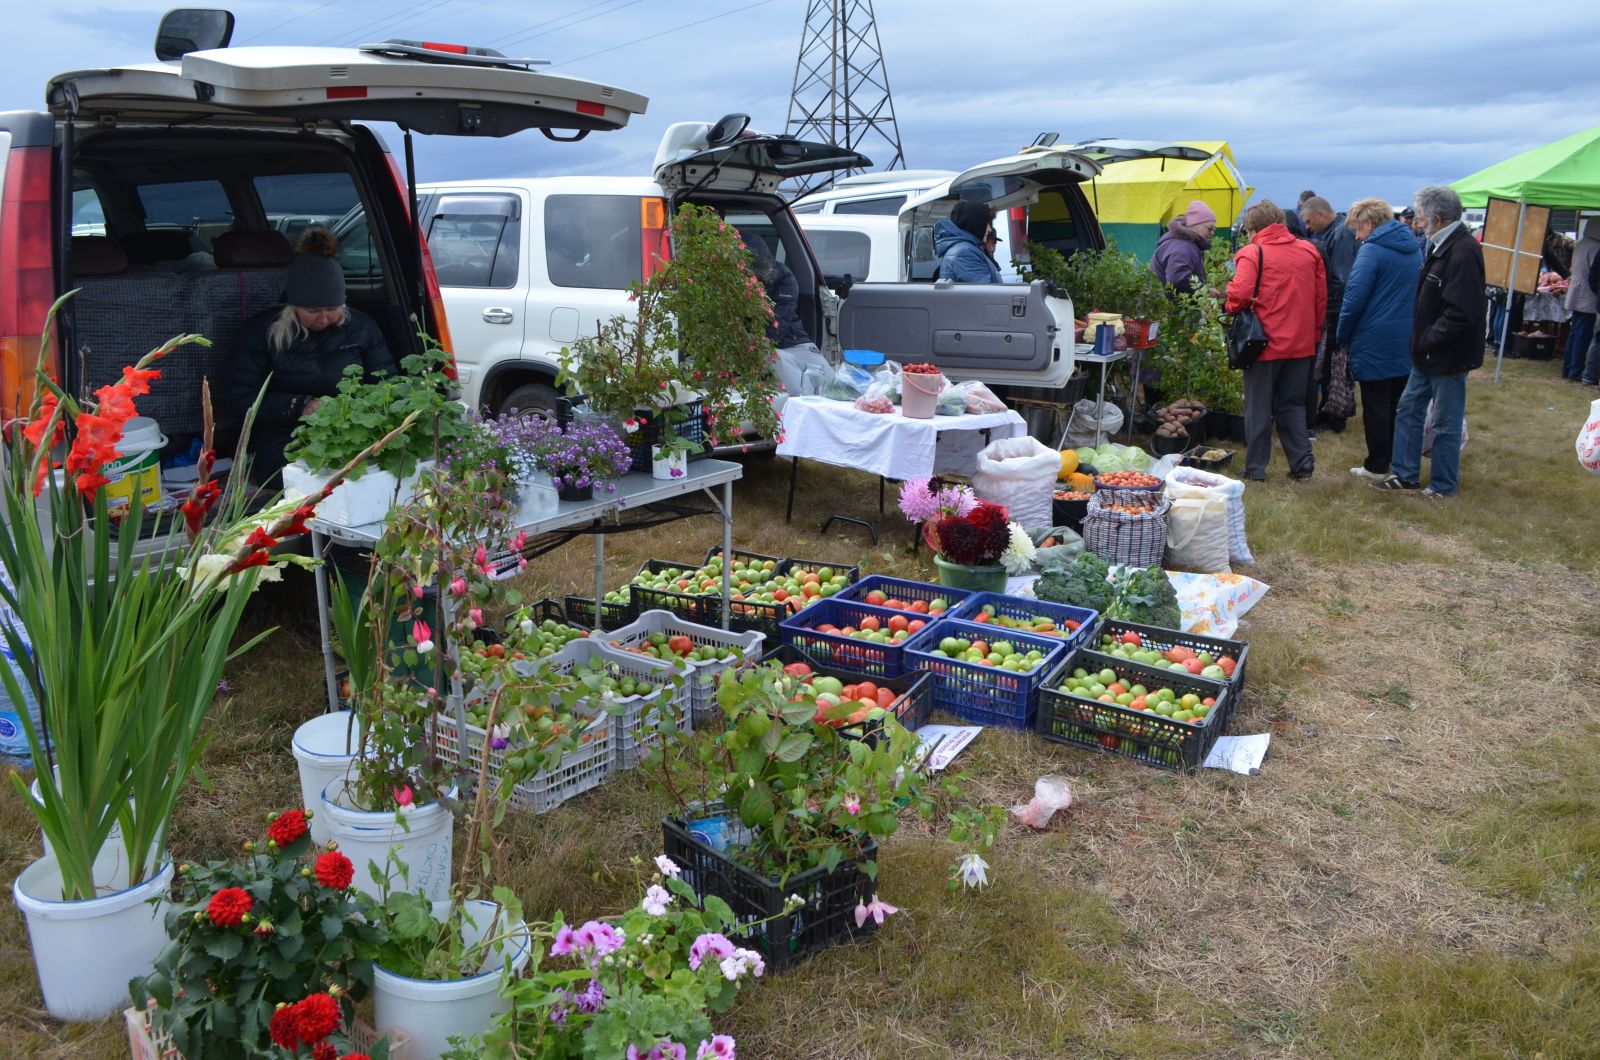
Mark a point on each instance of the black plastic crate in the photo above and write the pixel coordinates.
(826, 917)
(580, 612)
(746, 615)
(913, 705)
(1113, 729)
(1164, 639)
(692, 606)
(652, 426)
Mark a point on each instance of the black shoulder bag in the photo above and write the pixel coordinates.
(1247, 339)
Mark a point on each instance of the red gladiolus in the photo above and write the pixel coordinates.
(297, 521)
(254, 559)
(316, 1017)
(228, 906)
(333, 870)
(201, 500)
(284, 1028)
(259, 538)
(136, 381)
(34, 432)
(287, 827)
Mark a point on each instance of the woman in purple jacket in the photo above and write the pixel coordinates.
(1180, 257)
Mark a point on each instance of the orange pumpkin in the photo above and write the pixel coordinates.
(1080, 482)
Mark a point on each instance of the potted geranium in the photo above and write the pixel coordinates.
(359, 414)
(130, 623)
(269, 953)
(969, 537)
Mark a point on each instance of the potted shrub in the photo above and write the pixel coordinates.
(359, 414)
(126, 653)
(266, 954)
(580, 456)
(969, 537)
(782, 816)
(669, 458)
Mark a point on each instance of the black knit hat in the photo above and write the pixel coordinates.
(316, 281)
(971, 217)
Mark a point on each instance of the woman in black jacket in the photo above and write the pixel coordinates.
(299, 351)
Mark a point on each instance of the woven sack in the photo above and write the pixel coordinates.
(1136, 539)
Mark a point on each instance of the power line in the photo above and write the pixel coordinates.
(369, 29)
(664, 33)
(288, 21)
(528, 33)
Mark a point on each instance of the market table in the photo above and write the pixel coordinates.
(536, 515)
(888, 445)
(1085, 355)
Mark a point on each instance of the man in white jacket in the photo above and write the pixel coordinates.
(1581, 300)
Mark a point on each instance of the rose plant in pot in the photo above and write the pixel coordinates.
(120, 624)
(781, 817)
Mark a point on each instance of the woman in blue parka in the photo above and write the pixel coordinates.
(958, 242)
(1375, 323)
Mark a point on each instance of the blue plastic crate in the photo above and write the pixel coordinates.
(849, 653)
(985, 695)
(902, 589)
(1026, 608)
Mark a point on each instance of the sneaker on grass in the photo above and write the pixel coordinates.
(1434, 495)
(1370, 476)
(1393, 482)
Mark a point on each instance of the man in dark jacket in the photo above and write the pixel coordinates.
(1334, 239)
(1180, 257)
(1446, 344)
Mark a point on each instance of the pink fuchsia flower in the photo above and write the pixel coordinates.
(676, 472)
(667, 867)
(458, 586)
(877, 909)
(656, 900)
(520, 541)
(475, 616)
(481, 557)
(852, 804)
(973, 871)
(720, 1047)
(418, 591)
(404, 796)
(423, 636)
(708, 945)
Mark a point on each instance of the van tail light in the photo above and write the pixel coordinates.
(27, 283)
(654, 249)
(1017, 217)
(430, 282)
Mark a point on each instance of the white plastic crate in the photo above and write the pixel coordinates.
(148, 1043)
(672, 695)
(702, 677)
(582, 769)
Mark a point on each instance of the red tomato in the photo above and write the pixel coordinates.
(875, 597)
(919, 606)
(865, 690)
(1108, 741)
(899, 622)
(914, 625)
(680, 644)
(1129, 637)
(871, 623)
(980, 647)
(982, 617)
(885, 697)
(848, 692)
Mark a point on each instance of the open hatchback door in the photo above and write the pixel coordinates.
(695, 156)
(429, 88)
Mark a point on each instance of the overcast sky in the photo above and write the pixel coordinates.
(1351, 98)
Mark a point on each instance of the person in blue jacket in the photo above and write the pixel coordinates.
(1375, 323)
(958, 241)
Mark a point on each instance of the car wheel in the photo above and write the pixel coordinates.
(538, 399)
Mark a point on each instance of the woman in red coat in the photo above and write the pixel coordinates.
(1292, 300)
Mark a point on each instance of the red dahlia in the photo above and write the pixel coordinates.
(284, 1028)
(355, 1056)
(333, 870)
(324, 1051)
(287, 827)
(316, 1017)
(228, 906)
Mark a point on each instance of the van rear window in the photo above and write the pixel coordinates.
(201, 206)
(294, 202)
(593, 241)
(842, 253)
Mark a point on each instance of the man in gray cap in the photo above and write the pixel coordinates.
(299, 351)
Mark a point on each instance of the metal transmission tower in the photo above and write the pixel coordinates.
(841, 85)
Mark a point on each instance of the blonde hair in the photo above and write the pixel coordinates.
(1261, 215)
(286, 329)
(1373, 211)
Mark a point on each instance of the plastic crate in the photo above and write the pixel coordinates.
(842, 652)
(1112, 729)
(1163, 639)
(700, 677)
(580, 770)
(913, 705)
(902, 589)
(761, 615)
(1028, 608)
(1193, 458)
(691, 606)
(634, 725)
(580, 612)
(826, 917)
(985, 695)
(149, 1043)
(1101, 484)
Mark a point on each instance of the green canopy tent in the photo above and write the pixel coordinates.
(1564, 174)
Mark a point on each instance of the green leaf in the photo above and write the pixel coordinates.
(717, 908)
(658, 965)
(794, 746)
(224, 946)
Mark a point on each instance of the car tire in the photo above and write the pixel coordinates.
(534, 398)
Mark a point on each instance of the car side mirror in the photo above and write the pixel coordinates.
(192, 29)
(727, 129)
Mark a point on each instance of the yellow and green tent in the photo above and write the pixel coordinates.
(1146, 184)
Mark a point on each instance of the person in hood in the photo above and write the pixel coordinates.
(1332, 237)
(1292, 299)
(958, 241)
(299, 351)
(1581, 299)
(1180, 257)
(1375, 324)
(783, 290)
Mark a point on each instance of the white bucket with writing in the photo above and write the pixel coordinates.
(138, 469)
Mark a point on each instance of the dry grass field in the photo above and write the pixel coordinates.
(1414, 873)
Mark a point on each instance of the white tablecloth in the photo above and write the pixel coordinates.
(836, 432)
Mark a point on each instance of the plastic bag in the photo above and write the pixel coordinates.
(1066, 548)
(1084, 423)
(793, 363)
(1185, 482)
(1588, 443)
(888, 374)
(1049, 795)
(1427, 432)
(979, 398)
(951, 403)
(848, 383)
(1020, 474)
(1212, 603)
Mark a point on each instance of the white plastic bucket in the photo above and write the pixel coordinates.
(113, 838)
(430, 1011)
(85, 952)
(138, 469)
(423, 843)
(323, 747)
